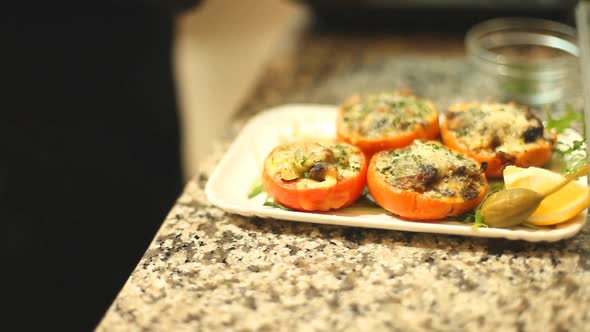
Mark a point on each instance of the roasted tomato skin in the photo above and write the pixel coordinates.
(414, 205)
(344, 192)
(427, 129)
(538, 151)
(370, 146)
(538, 155)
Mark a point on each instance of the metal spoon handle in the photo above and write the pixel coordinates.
(581, 171)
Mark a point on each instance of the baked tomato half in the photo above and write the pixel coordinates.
(387, 120)
(426, 181)
(497, 134)
(315, 176)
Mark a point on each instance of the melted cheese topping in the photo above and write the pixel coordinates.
(496, 127)
(314, 164)
(386, 114)
(431, 169)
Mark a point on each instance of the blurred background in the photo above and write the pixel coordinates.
(114, 104)
(229, 42)
(221, 50)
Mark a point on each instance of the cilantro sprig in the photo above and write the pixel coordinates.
(562, 123)
(572, 154)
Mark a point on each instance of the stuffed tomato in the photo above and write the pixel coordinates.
(315, 176)
(497, 134)
(426, 181)
(387, 120)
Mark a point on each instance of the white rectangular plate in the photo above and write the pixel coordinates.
(232, 179)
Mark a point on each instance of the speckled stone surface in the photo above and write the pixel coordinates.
(208, 270)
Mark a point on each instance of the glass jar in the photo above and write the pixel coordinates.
(534, 61)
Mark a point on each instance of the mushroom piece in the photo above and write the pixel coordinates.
(289, 173)
(318, 154)
(320, 170)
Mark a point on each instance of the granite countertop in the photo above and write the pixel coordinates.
(210, 270)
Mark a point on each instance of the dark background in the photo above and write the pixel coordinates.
(90, 154)
(430, 15)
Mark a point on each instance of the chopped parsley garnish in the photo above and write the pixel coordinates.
(385, 114)
(299, 157)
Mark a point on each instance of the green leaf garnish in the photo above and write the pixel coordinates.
(575, 164)
(495, 187)
(466, 218)
(561, 124)
(529, 225)
(256, 188)
(269, 202)
(578, 144)
(572, 155)
(478, 220)
(365, 203)
(474, 218)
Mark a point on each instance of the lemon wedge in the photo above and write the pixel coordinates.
(556, 208)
